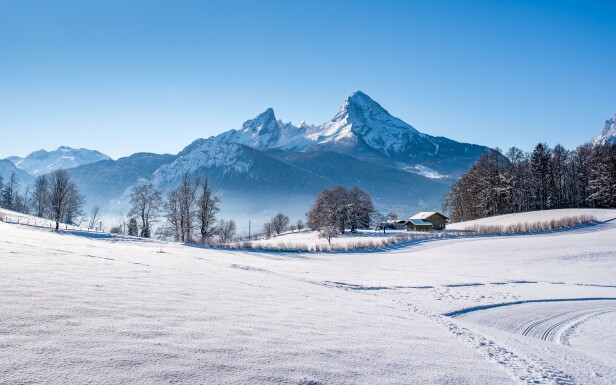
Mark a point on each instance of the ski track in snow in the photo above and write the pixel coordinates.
(527, 368)
(548, 320)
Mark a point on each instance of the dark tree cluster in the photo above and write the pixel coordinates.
(339, 209)
(544, 179)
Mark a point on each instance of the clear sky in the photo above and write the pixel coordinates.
(129, 76)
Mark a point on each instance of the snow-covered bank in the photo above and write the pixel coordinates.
(534, 217)
(78, 309)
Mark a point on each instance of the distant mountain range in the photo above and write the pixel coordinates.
(43, 162)
(268, 166)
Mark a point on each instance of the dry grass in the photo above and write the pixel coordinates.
(533, 227)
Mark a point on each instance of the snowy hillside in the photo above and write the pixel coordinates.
(608, 134)
(534, 216)
(532, 309)
(42, 162)
(363, 129)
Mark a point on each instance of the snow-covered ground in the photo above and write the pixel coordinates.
(310, 240)
(80, 309)
(533, 216)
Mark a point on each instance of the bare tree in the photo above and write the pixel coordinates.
(267, 230)
(226, 230)
(187, 198)
(95, 217)
(329, 232)
(300, 225)
(146, 201)
(207, 210)
(172, 213)
(279, 223)
(381, 219)
(40, 198)
(393, 216)
(64, 198)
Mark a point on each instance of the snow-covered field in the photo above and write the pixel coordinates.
(310, 240)
(533, 216)
(80, 309)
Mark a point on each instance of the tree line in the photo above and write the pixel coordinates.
(546, 178)
(53, 196)
(188, 213)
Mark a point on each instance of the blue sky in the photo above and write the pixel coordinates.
(129, 76)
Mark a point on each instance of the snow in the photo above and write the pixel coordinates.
(211, 153)
(42, 162)
(608, 134)
(77, 309)
(264, 132)
(360, 120)
(424, 171)
(534, 216)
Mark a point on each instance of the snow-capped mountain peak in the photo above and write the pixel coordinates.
(361, 128)
(608, 134)
(264, 132)
(42, 162)
(360, 120)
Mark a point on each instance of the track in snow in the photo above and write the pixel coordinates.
(525, 368)
(545, 320)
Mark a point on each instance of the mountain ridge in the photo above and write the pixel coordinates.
(42, 161)
(363, 129)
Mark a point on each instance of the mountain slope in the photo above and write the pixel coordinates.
(7, 168)
(42, 162)
(389, 187)
(106, 180)
(608, 134)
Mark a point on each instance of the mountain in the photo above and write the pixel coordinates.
(608, 134)
(362, 129)
(42, 162)
(256, 184)
(252, 184)
(265, 132)
(106, 180)
(390, 187)
(7, 168)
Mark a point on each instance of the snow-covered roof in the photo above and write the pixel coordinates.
(426, 214)
(419, 222)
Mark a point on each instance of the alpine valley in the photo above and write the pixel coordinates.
(268, 166)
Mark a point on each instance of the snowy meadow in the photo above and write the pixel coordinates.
(537, 308)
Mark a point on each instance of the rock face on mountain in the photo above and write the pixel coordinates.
(608, 134)
(43, 162)
(364, 130)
